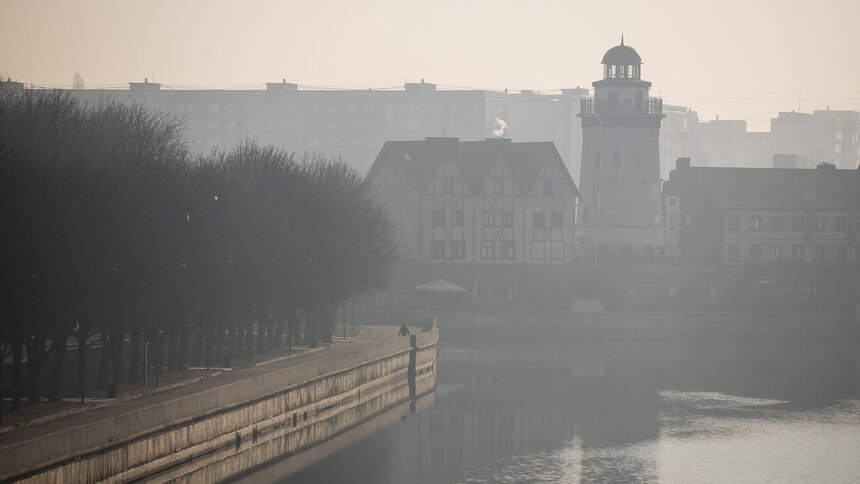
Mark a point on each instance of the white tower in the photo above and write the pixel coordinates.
(620, 171)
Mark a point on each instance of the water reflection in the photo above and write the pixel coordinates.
(536, 411)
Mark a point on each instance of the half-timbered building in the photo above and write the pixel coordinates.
(485, 203)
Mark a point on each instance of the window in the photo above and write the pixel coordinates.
(733, 253)
(733, 222)
(458, 249)
(352, 108)
(556, 220)
(839, 224)
(331, 125)
(486, 250)
(194, 108)
(586, 214)
(457, 218)
(231, 124)
(448, 184)
(313, 142)
(616, 159)
(212, 124)
(538, 220)
(773, 252)
(595, 188)
(499, 185)
(818, 253)
(507, 250)
(755, 253)
(596, 159)
(489, 219)
(673, 201)
(673, 221)
(213, 108)
(438, 218)
(437, 249)
(332, 108)
(507, 219)
(636, 158)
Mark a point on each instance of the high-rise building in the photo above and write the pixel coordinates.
(354, 124)
(824, 137)
(621, 205)
(678, 136)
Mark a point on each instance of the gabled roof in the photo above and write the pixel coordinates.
(772, 188)
(420, 160)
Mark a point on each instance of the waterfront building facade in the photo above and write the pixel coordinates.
(620, 168)
(478, 212)
(761, 216)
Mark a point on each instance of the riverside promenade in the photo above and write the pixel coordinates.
(138, 439)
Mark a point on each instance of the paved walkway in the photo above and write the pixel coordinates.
(368, 337)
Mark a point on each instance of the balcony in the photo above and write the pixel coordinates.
(652, 107)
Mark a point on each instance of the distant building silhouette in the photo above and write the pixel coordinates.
(354, 123)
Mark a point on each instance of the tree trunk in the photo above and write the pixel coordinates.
(182, 351)
(134, 371)
(101, 382)
(82, 359)
(219, 342)
(248, 336)
(277, 339)
(172, 348)
(35, 358)
(117, 342)
(58, 348)
(198, 355)
(17, 369)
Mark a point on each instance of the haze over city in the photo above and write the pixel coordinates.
(736, 59)
(396, 242)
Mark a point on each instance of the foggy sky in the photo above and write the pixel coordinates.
(736, 58)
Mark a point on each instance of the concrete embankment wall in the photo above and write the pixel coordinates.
(308, 402)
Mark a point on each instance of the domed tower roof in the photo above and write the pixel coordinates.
(621, 55)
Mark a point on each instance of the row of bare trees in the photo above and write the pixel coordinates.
(114, 235)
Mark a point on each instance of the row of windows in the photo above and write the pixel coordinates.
(616, 159)
(213, 108)
(497, 250)
(795, 223)
(195, 124)
(456, 249)
(447, 218)
(352, 125)
(499, 219)
(369, 143)
(788, 253)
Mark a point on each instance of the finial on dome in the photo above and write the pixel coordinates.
(622, 38)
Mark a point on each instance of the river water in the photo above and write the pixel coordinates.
(554, 411)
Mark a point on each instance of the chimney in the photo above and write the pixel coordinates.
(826, 167)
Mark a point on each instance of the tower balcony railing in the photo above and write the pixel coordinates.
(653, 106)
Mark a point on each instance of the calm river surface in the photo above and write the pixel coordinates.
(538, 411)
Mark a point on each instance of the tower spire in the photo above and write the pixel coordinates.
(622, 38)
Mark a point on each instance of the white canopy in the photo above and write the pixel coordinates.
(440, 285)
